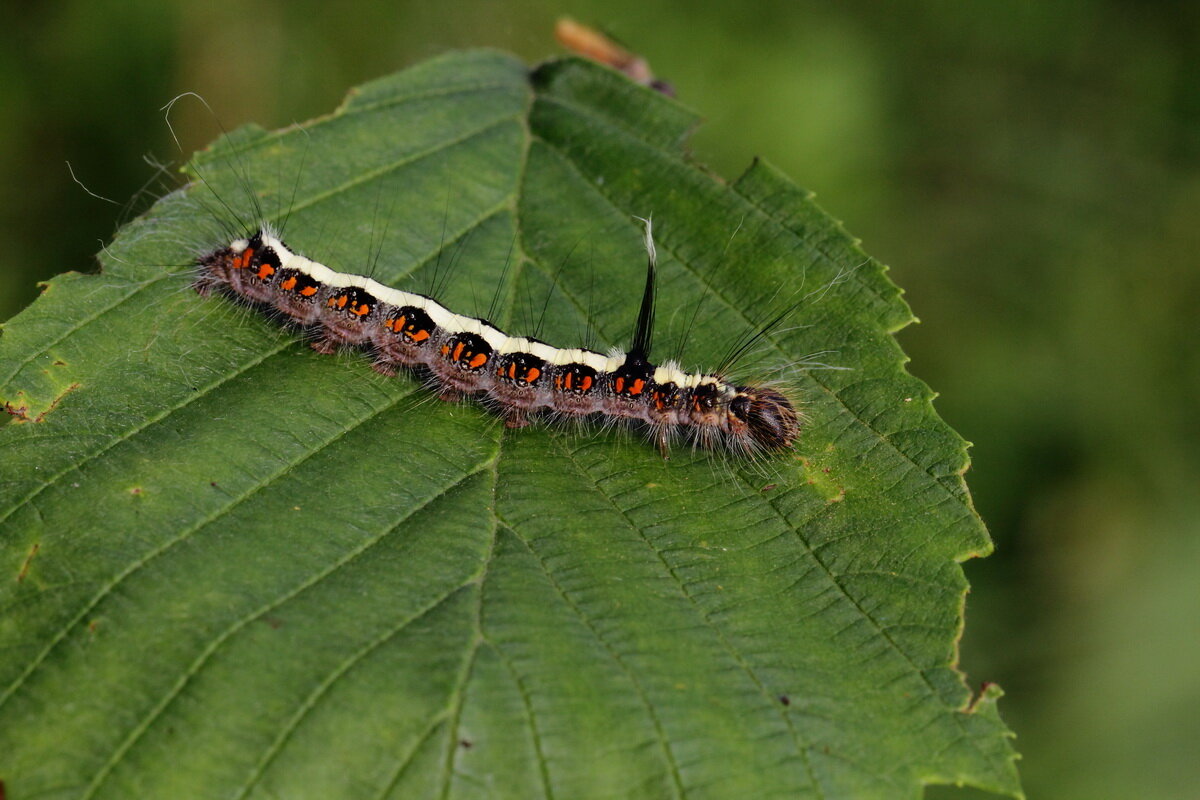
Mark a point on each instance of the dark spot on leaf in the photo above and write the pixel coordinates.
(213, 484)
(465, 744)
(769, 487)
(92, 626)
(25, 566)
(783, 698)
(58, 362)
(275, 623)
(21, 412)
(136, 491)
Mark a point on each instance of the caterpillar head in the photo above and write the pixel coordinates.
(763, 419)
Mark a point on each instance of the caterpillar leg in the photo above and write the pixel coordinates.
(325, 344)
(204, 285)
(516, 418)
(385, 367)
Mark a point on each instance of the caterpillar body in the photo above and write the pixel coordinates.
(516, 376)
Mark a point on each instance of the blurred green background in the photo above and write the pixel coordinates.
(1031, 171)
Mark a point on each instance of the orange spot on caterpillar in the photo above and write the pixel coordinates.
(342, 299)
(265, 271)
(420, 336)
(458, 351)
(638, 385)
(478, 361)
(585, 383)
(619, 384)
(362, 309)
(308, 291)
(532, 375)
(289, 284)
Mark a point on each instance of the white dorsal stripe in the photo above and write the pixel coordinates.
(447, 320)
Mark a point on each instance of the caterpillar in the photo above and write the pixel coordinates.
(517, 376)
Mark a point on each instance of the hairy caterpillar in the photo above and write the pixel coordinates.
(515, 375)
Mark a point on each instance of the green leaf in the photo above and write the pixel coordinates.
(232, 567)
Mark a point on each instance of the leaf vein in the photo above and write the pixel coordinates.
(325, 686)
(664, 743)
(801, 747)
(141, 727)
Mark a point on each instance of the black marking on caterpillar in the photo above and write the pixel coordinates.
(514, 375)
